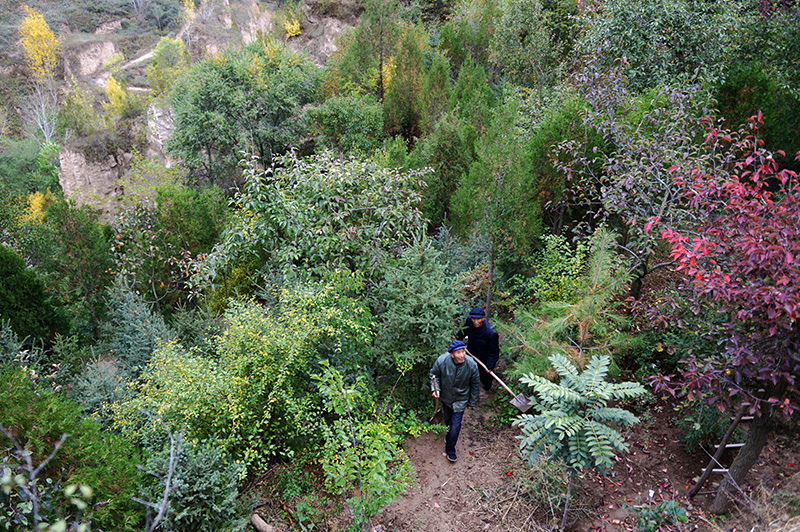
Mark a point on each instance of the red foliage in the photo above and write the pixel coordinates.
(746, 256)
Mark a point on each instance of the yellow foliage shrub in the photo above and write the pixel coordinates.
(39, 44)
(388, 72)
(117, 99)
(292, 28)
(37, 206)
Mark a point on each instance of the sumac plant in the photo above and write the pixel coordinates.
(744, 255)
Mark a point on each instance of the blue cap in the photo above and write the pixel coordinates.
(477, 312)
(457, 344)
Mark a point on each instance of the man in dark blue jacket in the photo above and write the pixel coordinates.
(483, 343)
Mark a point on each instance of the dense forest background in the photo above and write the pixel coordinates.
(236, 234)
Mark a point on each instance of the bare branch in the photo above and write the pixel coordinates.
(175, 446)
(32, 489)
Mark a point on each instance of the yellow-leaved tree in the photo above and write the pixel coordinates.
(39, 44)
(40, 47)
(37, 206)
(117, 100)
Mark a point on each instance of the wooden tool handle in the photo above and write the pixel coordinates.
(490, 372)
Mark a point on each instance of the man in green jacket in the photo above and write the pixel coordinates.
(456, 382)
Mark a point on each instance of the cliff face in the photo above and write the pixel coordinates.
(159, 128)
(94, 183)
(87, 59)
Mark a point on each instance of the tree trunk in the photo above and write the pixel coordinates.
(760, 428)
(721, 449)
(756, 439)
(490, 281)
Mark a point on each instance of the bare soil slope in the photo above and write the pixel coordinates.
(490, 488)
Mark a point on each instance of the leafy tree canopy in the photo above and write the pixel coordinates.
(241, 100)
(663, 41)
(312, 215)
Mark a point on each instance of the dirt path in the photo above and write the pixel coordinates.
(461, 496)
(477, 493)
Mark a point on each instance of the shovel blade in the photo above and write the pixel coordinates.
(521, 402)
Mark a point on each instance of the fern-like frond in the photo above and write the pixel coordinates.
(535, 437)
(626, 390)
(564, 427)
(615, 415)
(530, 379)
(594, 376)
(577, 452)
(595, 402)
(600, 446)
(568, 372)
(610, 434)
(562, 394)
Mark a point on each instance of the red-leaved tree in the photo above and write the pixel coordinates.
(745, 255)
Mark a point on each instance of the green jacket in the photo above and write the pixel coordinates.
(459, 386)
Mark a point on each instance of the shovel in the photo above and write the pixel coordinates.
(519, 400)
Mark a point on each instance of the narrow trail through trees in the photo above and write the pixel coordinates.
(464, 496)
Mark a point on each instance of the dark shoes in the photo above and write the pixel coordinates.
(452, 457)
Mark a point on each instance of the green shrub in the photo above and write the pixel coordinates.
(70, 354)
(24, 300)
(449, 151)
(203, 496)
(556, 271)
(161, 231)
(133, 329)
(545, 181)
(37, 418)
(101, 383)
(349, 123)
(468, 32)
(749, 89)
(588, 323)
(654, 517)
(460, 256)
(78, 262)
(77, 116)
(320, 214)
(10, 343)
(170, 61)
(362, 454)
(18, 166)
(417, 305)
(164, 14)
(664, 41)
(196, 328)
(404, 102)
(657, 352)
(22, 484)
(253, 399)
(573, 421)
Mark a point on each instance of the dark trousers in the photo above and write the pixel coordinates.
(452, 420)
(486, 379)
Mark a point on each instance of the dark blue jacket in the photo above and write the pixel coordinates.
(484, 342)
